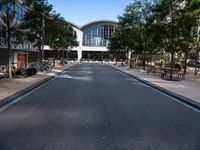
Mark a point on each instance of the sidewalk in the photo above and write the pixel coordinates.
(189, 88)
(9, 87)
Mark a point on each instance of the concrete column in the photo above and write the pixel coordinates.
(129, 54)
(129, 58)
(79, 55)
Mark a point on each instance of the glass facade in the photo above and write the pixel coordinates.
(18, 8)
(20, 11)
(98, 35)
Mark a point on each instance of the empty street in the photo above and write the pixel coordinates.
(95, 107)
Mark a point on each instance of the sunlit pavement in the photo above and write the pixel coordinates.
(95, 107)
(11, 86)
(188, 88)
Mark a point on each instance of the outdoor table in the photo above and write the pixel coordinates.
(166, 73)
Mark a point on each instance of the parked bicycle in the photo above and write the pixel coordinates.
(42, 66)
(19, 72)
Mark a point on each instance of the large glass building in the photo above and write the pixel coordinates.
(98, 34)
(93, 39)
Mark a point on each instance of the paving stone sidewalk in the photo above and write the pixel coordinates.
(9, 87)
(190, 87)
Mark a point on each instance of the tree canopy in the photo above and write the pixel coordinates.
(151, 26)
(42, 25)
(8, 23)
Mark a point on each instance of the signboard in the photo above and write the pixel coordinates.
(21, 60)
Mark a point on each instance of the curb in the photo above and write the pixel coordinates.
(20, 93)
(180, 98)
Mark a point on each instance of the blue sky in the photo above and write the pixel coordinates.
(81, 12)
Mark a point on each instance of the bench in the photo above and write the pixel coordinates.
(177, 75)
(181, 75)
(164, 73)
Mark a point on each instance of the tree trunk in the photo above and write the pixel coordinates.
(172, 65)
(58, 54)
(123, 58)
(9, 61)
(9, 49)
(151, 59)
(130, 60)
(197, 57)
(41, 53)
(185, 62)
(63, 54)
(144, 59)
(172, 40)
(67, 55)
(118, 56)
(54, 55)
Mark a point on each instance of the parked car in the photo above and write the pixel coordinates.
(192, 63)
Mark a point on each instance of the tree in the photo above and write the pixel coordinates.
(68, 38)
(134, 24)
(115, 44)
(178, 18)
(33, 23)
(130, 24)
(149, 26)
(187, 23)
(194, 13)
(59, 34)
(8, 22)
(52, 33)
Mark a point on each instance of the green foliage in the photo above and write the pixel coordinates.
(135, 26)
(42, 26)
(59, 34)
(8, 23)
(180, 18)
(153, 26)
(116, 42)
(33, 23)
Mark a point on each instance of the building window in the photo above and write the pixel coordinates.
(98, 35)
(20, 11)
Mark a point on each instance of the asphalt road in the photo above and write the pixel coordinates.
(94, 107)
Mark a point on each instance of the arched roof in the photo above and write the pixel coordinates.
(98, 21)
(72, 24)
(90, 23)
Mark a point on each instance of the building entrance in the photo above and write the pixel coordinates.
(94, 56)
